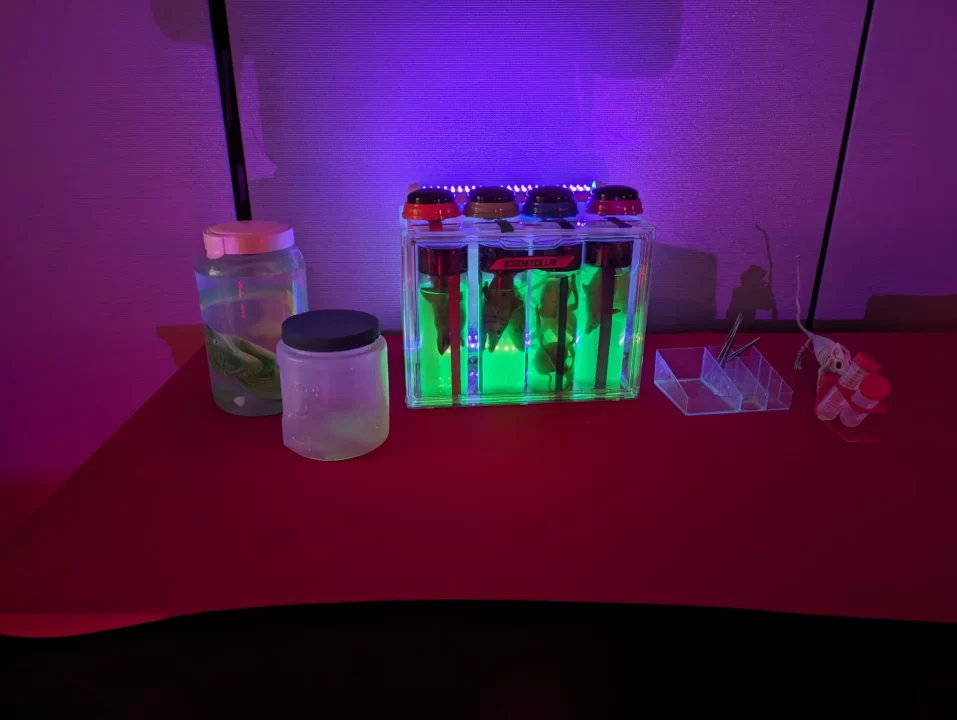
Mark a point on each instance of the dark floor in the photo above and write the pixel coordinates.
(486, 660)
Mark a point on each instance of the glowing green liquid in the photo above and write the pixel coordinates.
(435, 368)
(586, 365)
(502, 325)
(543, 353)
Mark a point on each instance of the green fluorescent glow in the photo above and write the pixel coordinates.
(502, 333)
(543, 361)
(590, 325)
(435, 356)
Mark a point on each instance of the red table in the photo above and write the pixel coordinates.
(187, 509)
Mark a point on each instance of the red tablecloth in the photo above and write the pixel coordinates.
(188, 509)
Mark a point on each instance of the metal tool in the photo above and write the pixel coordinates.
(728, 341)
(732, 356)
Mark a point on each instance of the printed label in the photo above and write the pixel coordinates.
(548, 262)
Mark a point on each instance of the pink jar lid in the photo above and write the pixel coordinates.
(866, 363)
(246, 237)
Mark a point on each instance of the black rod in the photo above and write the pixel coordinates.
(562, 324)
(812, 307)
(227, 94)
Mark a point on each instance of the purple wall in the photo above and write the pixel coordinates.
(113, 159)
(724, 114)
(895, 228)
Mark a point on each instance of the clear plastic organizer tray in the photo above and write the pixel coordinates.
(698, 384)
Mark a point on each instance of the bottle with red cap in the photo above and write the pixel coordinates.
(250, 279)
(439, 266)
(610, 313)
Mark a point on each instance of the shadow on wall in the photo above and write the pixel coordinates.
(755, 293)
(683, 288)
(911, 312)
(901, 313)
(372, 96)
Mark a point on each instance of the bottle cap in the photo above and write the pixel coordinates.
(430, 204)
(875, 387)
(614, 200)
(246, 237)
(866, 363)
(491, 203)
(550, 201)
(330, 330)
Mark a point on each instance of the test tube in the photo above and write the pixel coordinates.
(606, 284)
(554, 291)
(831, 404)
(443, 299)
(503, 290)
(442, 290)
(871, 391)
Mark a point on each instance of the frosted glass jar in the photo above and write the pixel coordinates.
(335, 384)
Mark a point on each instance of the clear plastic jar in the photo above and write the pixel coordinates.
(335, 384)
(250, 279)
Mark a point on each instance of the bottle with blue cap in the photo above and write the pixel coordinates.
(555, 292)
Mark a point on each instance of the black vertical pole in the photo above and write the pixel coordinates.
(822, 259)
(227, 94)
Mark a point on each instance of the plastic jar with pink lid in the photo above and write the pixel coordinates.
(250, 279)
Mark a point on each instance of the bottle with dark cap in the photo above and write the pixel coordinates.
(440, 268)
(607, 287)
(554, 288)
(503, 289)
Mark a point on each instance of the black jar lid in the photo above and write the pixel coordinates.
(550, 201)
(330, 330)
(429, 196)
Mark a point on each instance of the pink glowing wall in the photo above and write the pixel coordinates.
(895, 229)
(725, 114)
(113, 159)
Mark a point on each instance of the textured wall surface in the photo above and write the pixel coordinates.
(894, 240)
(113, 159)
(725, 114)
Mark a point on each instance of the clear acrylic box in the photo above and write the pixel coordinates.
(519, 309)
(698, 384)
